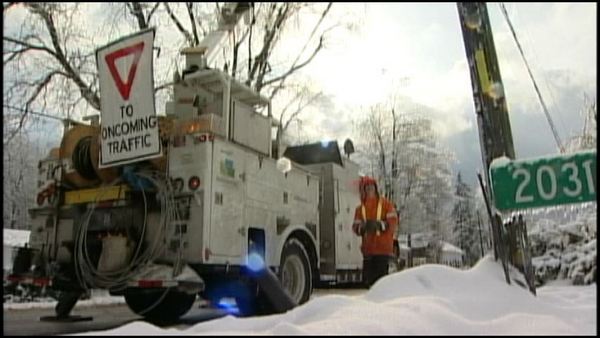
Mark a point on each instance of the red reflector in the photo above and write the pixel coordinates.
(150, 283)
(28, 280)
(41, 281)
(14, 278)
(194, 183)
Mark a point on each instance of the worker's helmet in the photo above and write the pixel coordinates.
(364, 182)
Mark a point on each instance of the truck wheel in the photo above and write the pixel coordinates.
(164, 308)
(295, 271)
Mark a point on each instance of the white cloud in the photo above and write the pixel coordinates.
(423, 42)
(416, 49)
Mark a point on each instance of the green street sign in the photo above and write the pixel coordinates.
(543, 181)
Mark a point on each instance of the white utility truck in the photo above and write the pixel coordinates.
(162, 231)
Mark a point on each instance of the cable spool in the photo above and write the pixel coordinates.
(54, 153)
(80, 151)
(82, 161)
(73, 155)
(106, 175)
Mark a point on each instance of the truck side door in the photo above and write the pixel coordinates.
(227, 199)
(348, 255)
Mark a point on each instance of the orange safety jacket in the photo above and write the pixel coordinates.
(377, 209)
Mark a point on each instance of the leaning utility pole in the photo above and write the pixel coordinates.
(495, 136)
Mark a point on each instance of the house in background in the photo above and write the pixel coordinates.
(426, 249)
(451, 255)
(421, 252)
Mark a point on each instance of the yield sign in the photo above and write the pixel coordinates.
(129, 127)
(124, 87)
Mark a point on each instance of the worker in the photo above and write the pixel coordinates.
(375, 220)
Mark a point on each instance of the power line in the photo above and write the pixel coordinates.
(62, 119)
(537, 91)
(551, 89)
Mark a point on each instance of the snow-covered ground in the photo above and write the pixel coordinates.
(98, 297)
(427, 300)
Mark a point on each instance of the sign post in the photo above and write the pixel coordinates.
(544, 181)
(129, 126)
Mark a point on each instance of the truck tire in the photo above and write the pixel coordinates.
(158, 307)
(295, 272)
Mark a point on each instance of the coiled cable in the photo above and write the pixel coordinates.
(87, 274)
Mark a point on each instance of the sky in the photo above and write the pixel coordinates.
(432, 300)
(416, 49)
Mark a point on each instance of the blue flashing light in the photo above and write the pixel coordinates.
(228, 305)
(325, 143)
(255, 262)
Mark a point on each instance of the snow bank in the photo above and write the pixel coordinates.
(15, 238)
(565, 249)
(98, 297)
(430, 299)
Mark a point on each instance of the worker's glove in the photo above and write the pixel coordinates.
(362, 229)
(376, 227)
(372, 226)
(359, 228)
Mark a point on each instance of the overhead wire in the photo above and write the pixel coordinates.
(544, 76)
(537, 91)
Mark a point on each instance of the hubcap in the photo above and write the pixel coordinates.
(292, 277)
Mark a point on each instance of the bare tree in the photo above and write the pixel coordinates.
(375, 130)
(48, 67)
(586, 138)
(412, 165)
(19, 174)
(258, 42)
(142, 12)
(298, 97)
(52, 66)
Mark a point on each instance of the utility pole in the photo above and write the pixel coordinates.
(480, 238)
(460, 232)
(495, 135)
(409, 251)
